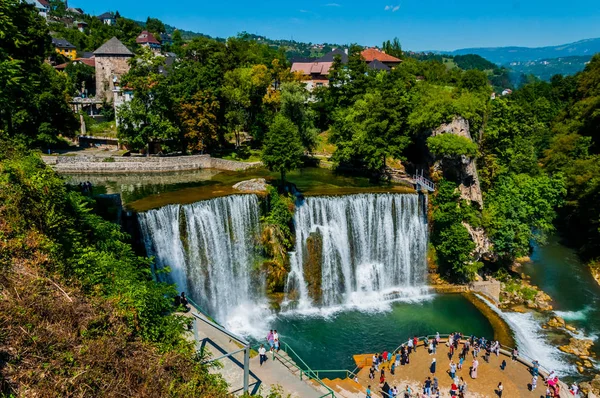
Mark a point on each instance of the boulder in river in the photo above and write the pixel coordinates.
(254, 185)
(578, 347)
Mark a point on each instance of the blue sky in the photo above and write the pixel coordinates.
(419, 24)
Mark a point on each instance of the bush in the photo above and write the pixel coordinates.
(451, 145)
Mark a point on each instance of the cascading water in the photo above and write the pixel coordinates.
(210, 249)
(372, 249)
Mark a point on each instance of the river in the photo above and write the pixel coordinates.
(558, 271)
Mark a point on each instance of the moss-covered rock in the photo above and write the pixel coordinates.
(313, 266)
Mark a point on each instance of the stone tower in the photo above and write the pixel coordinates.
(112, 62)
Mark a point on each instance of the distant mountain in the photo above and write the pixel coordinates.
(546, 68)
(505, 55)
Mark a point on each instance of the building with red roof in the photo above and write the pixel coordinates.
(373, 54)
(147, 39)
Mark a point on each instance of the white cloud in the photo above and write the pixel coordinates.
(392, 8)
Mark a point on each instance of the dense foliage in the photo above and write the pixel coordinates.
(82, 304)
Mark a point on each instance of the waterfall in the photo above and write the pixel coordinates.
(210, 247)
(372, 249)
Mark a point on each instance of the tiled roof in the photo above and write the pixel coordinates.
(146, 37)
(107, 15)
(378, 65)
(88, 61)
(309, 68)
(45, 3)
(329, 57)
(113, 47)
(62, 43)
(372, 54)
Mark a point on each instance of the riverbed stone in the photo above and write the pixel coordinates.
(578, 347)
(556, 322)
(253, 185)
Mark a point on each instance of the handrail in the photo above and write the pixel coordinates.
(308, 371)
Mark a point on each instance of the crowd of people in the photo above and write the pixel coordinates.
(460, 350)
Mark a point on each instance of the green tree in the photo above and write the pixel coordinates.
(294, 106)
(393, 48)
(282, 150)
(83, 78)
(155, 25)
(149, 117)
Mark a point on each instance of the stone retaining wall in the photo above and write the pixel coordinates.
(489, 288)
(100, 164)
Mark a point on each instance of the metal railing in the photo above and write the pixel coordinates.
(240, 340)
(420, 180)
(305, 372)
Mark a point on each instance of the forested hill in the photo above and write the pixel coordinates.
(503, 55)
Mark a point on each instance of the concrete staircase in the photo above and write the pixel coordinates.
(345, 388)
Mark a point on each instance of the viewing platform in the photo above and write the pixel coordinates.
(516, 377)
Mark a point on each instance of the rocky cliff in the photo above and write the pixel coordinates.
(464, 171)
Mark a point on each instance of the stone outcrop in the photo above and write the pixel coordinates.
(592, 387)
(578, 347)
(483, 244)
(464, 167)
(254, 185)
(464, 170)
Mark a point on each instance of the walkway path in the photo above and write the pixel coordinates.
(272, 373)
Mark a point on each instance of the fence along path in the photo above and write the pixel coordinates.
(240, 365)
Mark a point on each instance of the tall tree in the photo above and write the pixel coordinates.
(294, 105)
(149, 117)
(198, 118)
(282, 151)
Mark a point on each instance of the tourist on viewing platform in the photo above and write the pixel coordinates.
(410, 345)
(407, 392)
(415, 343)
(184, 302)
(453, 389)
(427, 386)
(397, 359)
(534, 380)
(262, 352)
(432, 367)
(385, 389)
(461, 360)
(431, 347)
(369, 392)
(376, 362)
(515, 354)
(500, 390)
(435, 385)
(535, 369)
(372, 372)
(393, 368)
(276, 340)
(474, 367)
(462, 388)
(503, 364)
(382, 377)
(452, 370)
(574, 390)
(271, 340)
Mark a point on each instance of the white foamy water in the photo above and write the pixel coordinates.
(531, 341)
(372, 246)
(580, 315)
(210, 249)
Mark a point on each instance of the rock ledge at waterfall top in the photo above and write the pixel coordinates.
(254, 185)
